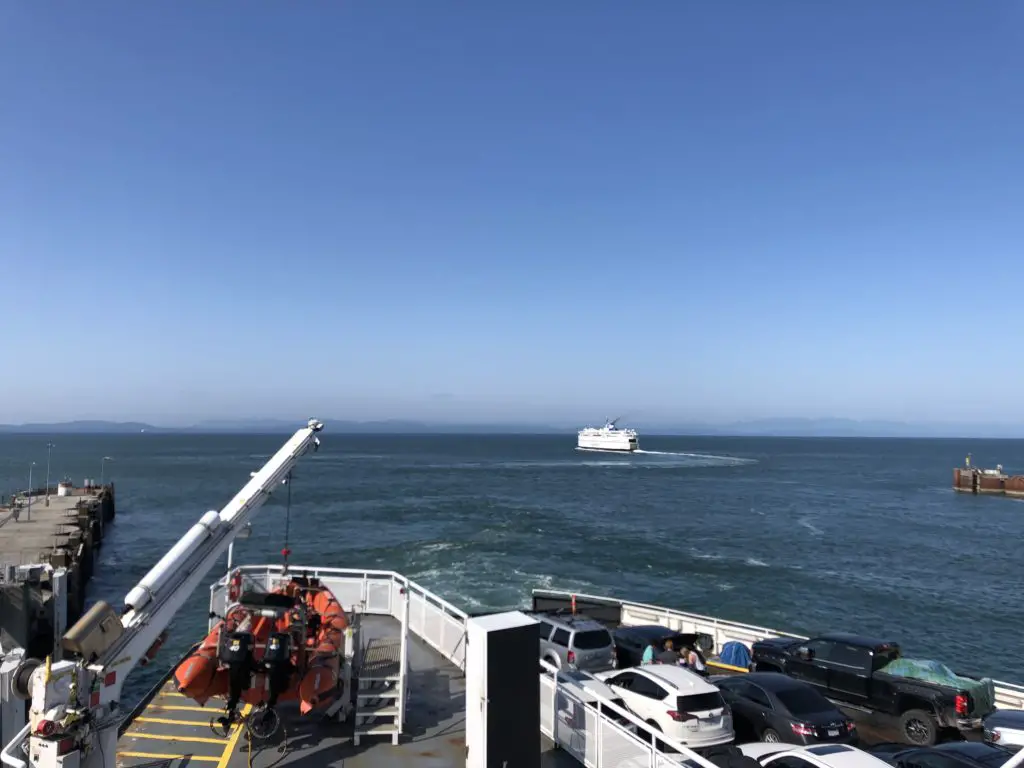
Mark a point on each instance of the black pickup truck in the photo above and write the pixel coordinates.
(849, 670)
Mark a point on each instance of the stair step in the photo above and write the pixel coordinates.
(382, 679)
(379, 729)
(386, 710)
(389, 694)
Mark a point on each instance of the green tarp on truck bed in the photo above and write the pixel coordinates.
(982, 691)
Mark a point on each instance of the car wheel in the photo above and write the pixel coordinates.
(919, 728)
(770, 736)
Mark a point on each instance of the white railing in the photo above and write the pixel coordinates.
(433, 619)
(1008, 695)
(598, 741)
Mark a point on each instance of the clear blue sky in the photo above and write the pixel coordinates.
(680, 210)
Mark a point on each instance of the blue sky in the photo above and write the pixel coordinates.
(480, 211)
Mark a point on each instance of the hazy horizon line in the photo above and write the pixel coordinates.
(762, 427)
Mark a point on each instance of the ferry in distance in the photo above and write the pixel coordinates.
(608, 438)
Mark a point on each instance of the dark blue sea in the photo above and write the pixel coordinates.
(800, 534)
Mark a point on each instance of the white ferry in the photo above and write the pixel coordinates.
(608, 438)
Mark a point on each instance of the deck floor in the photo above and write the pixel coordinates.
(174, 731)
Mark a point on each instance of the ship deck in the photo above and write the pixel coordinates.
(173, 731)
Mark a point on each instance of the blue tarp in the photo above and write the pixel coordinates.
(736, 654)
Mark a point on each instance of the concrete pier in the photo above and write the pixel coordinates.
(47, 552)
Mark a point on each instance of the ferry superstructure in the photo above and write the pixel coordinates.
(608, 438)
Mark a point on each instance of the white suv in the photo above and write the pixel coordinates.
(815, 756)
(675, 701)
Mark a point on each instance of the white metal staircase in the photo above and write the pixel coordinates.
(380, 695)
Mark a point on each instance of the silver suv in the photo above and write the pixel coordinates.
(575, 642)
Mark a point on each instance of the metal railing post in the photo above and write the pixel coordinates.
(405, 659)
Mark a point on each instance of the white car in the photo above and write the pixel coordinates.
(1005, 727)
(682, 705)
(777, 755)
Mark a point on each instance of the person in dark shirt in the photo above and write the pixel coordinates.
(669, 655)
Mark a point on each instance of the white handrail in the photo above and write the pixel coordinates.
(439, 601)
(661, 609)
(7, 754)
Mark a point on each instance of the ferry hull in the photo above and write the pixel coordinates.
(616, 443)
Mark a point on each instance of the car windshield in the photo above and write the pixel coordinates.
(700, 702)
(592, 639)
(803, 701)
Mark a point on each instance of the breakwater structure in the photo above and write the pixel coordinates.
(970, 479)
(48, 541)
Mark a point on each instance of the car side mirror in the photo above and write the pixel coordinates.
(804, 653)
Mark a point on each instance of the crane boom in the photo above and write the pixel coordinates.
(75, 703)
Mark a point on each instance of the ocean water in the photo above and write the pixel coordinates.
(805, 535)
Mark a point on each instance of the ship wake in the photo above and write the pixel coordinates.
(710, 458)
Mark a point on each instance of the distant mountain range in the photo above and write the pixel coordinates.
(782, 427)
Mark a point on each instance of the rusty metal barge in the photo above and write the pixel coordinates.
(969, 479)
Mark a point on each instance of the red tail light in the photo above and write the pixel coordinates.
(680, 717)
(571, 656)
(802, 730)
(961, 704)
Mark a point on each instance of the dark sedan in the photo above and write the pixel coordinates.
(630, 642)
(770, 706)
(953, 754)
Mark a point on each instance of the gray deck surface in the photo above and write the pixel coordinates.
(174, 731)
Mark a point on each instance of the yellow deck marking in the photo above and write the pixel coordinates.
(179, 708)
(169, 721)
(161, 756)
(170, 693)
(198, 739)
(727, 666)
(229, 750)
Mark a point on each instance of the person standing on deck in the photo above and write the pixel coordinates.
(669, 655)
(695, 662)
(648, 657)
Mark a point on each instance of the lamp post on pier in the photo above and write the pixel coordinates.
(29, 519)
(49, 447)
(103, 468)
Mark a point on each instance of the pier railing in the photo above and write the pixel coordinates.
(1008, 695)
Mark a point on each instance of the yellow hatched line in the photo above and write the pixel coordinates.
(163, 756)
(170, 721)
(162, 737)
(229, 749)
